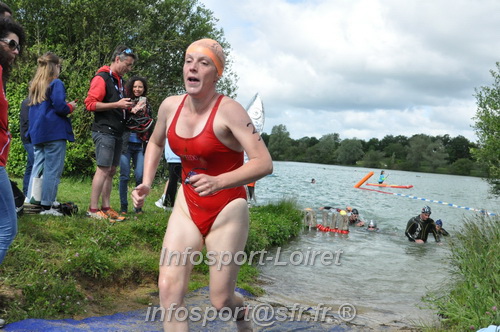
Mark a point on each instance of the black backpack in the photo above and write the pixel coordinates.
(68, 208)
(18, 197)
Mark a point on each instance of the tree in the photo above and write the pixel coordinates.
(435, 155)
(416, 147)
(373, 158)
(458, 148)
(279, 142)
(350, 151)
(324, 151)
(487, 126)
(462, 166)
(84, 34)
(372, 144)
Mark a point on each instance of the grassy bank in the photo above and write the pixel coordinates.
(471, 300)
(62, 267)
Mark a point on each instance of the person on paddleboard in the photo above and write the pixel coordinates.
(382, 177)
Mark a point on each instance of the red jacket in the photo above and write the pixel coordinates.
(5, 136)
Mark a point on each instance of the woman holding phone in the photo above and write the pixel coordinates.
(135, 138)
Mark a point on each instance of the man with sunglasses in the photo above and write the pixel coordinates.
(419, 227)
(106, 99)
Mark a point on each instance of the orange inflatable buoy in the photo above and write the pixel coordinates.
(363, 180)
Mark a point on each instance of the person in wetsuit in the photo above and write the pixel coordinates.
(209, 132)
(419, 227)
(440, 229)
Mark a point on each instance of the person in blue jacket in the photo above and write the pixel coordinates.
(49, 128)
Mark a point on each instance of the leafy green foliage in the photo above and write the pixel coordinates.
(84, 34)
(488, 129)
(273, 225)
(471, 301)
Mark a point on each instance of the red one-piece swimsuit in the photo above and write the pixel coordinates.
(205, 154)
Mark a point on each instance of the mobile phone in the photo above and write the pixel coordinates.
(143, 99)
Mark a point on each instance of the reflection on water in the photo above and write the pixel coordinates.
(382, 274)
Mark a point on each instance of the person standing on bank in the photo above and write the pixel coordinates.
(106, 99)
(419, 227)
(134, 138)
(49, 128)
(23, 128)
(12, 40)
(167, 200)
(209, 132)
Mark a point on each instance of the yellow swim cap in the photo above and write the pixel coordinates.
(212, 49)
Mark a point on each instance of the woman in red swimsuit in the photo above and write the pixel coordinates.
(209, 132)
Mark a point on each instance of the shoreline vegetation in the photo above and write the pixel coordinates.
(75, 267)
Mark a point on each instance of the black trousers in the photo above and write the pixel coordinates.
(174, 177)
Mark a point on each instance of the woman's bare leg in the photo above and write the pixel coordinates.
(182, 238)
(227, 237)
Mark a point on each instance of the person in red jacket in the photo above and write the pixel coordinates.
(106, 99)
(12, 39)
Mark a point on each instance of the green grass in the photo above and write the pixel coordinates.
(61, 267)
(472, 299)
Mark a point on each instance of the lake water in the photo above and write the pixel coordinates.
(382, 274)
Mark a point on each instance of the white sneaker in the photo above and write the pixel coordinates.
(159, 203)
(56, 204)
(51, 212)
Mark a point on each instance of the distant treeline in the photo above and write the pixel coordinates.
(420, 153)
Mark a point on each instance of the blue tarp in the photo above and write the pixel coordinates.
(140, 321)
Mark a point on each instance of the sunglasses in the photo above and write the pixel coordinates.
(127, 51)
(13, 45)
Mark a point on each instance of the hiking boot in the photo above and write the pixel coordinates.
(113, 215)
(51, 212)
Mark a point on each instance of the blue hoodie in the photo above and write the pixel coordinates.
(48, 121)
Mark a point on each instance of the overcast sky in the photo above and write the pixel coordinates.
(363, 68)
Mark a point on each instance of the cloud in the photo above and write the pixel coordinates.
(362, 68)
